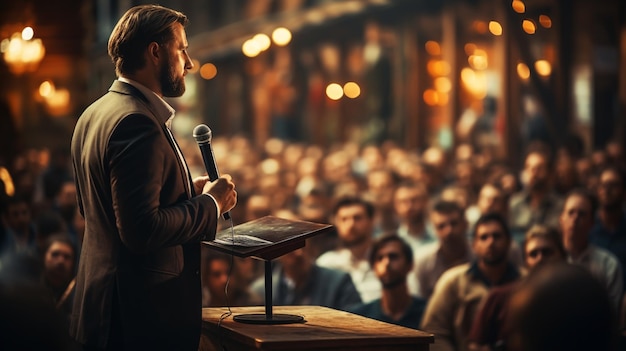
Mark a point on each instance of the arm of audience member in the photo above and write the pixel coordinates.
(439, 315)
(347, 295)
(615, 283)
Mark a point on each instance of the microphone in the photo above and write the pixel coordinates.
(202, 133)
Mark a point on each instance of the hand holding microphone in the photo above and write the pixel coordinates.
(221, 188)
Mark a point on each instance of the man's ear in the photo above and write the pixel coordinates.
(154, 52)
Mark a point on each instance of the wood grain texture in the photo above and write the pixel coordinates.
(324, 329)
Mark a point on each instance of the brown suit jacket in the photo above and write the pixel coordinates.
(138, 282)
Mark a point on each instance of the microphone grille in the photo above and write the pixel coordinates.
(202, 133)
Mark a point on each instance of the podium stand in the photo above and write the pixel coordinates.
(284, 235)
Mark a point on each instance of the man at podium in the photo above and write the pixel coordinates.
(138, 282)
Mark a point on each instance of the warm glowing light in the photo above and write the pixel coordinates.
(431, 97)
(474, 82)
(281, 36)
(495, 28)
(523, 71)
(469, 48)
(480, 27)
(250, 48)
(443, 84)
(529, 26)
(46, 89)
(478, 60)
(28, 33)
(433, 48)
(437, 68)
(442, 99)
(334, 91)
(352, 90)
(23, 55)
(545, 21)
(262, 40)
(518, 6)
(543, 67)
(208, 71)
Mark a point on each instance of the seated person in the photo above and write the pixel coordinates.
(391, 259)
(297, 280)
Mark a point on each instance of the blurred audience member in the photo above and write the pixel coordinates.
(451, 249)
(609, 229)
(542, 245)
(19, 226)
(536, 203)
(576, 222)
(391, 259)
(410, 203)
(216, 274)
(380, 187)
(59, 271)
(460, 291)
(561, 308)
(354, 221)
(297, 280)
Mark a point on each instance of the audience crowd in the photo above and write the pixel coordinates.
(452, 242)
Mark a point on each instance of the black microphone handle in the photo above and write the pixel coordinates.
(210, 165)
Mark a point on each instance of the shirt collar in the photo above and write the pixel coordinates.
(165, 113)
(511, 274)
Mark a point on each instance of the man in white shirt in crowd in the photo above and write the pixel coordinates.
(354, 220)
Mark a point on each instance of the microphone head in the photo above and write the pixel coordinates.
(202, 134)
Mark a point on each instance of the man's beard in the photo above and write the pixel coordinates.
(495, 260)
(171, 86)
(393, 282)
(354, 242)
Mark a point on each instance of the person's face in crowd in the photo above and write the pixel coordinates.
(509, 183)
(576, 221)
(18, 216)
(218, 276)
(539, 251)
(464, 174)
(490, 243)
(353, 225)
(536, 171)
(410, 202)
(610, 190)
(59, 263)
(66, 200)
(565, 173)
(456, 194)
(390, 265)
(380, 185)
(175, 63)
(450, 228)
(313, 208)
(490, 199)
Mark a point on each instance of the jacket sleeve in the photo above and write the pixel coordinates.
(439, 315)
(140, 160)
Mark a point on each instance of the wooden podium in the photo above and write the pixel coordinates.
(283, 236)
(325, 329)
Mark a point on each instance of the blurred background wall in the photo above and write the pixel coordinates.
(496, 73)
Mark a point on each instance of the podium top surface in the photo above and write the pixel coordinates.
(283, 235)
(324, 328)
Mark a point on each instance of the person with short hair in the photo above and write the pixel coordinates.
(576, 221)
(391, 259)
(460, 291)
(354, 222)
(138, 282)
(542, 246)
